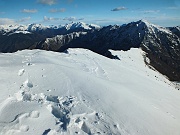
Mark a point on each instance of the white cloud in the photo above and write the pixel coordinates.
(119, 9)
(70, 18)
(24, 19)
(73, 19)
(57, 10)
(62, 19)
(81, 19)
(173, 8)
(51, 18)
(47, 2)
(6, 21)
(29, 11)
(151, 11)
(2, 12)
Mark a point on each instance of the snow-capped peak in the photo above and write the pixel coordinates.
(144, 21)
(8, 28)
(81, 25)
(152, 27)
(35, 27)
(94, 26)
(17, 27)
(39, 27)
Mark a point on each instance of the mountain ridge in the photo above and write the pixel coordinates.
(162, 45)
(39, 27)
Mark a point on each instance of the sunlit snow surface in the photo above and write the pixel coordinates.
(80, 92)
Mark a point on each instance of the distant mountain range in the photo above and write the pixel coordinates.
(162, 45)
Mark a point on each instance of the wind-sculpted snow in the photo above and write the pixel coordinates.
(80, 92)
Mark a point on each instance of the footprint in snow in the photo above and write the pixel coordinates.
(34, 114)
(21, 72)
(28, 84)
(29, 64)
(24, 128)
(43, 76)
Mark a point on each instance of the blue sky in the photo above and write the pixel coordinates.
(102, 12)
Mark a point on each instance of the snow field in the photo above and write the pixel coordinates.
(80, 92)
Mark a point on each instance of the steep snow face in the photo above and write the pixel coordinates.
(80, 92)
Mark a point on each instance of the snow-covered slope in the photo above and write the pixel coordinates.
(80, 92)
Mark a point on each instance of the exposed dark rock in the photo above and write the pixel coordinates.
(175, 30)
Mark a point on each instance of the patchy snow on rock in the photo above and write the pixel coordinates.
(80, 92)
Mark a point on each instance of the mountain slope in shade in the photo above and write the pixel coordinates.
(19, 37)
(80, 92)
(161, 45)
(163, 49)
(175, 30)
